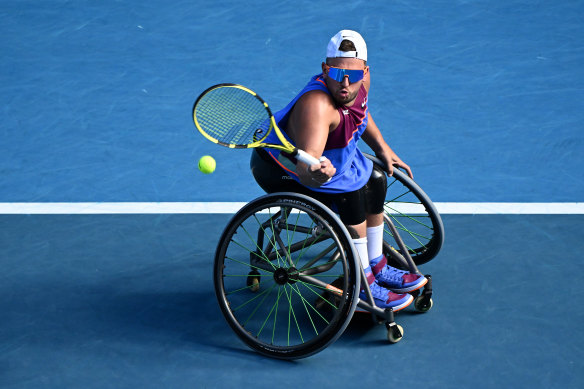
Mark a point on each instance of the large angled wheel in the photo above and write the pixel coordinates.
(414, 215)
(286, 275)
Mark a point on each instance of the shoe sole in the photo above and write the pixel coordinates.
(408, 289)
(399, 307)
(404, 304)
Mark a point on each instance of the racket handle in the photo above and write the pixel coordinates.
(308, 159)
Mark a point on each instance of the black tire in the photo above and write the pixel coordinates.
(299, 248)
(414, 215)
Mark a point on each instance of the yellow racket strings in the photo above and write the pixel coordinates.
(231, 115)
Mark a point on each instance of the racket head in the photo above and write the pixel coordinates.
(232, 115)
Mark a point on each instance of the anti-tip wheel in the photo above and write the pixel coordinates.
(395, 333)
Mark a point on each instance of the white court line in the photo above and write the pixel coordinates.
(511, 208)
(232, 207)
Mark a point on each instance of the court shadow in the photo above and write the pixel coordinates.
(367, 331)
(173, 319)
(183, 315)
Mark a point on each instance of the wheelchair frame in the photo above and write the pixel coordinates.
(298, 270)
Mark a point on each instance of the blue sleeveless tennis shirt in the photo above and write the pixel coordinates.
(353, 168)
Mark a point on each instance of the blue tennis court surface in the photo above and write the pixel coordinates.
(128, 301)
(482, 99)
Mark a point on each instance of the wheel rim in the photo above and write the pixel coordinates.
(297, 310)
(415, 218)
(414, 215)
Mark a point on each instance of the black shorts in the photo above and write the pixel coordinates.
(352, 207)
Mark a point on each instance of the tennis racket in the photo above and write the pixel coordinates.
(234, 116)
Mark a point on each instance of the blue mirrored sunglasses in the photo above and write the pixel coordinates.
(339, 74)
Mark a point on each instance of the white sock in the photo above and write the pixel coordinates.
(375, 242)
(361, 246)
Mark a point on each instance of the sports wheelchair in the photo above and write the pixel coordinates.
(287, 276)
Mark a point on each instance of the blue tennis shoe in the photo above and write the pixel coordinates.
(396, 280)
(383, 297)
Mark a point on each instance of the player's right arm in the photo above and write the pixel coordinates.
(310, 122)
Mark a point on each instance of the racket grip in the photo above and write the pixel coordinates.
(308, 159)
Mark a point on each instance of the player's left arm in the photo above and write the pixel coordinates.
(372, 136)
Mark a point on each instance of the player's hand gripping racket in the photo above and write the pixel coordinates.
(236, 117)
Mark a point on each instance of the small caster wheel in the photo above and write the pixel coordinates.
(395, 333)
(423, 303)
(253, 281)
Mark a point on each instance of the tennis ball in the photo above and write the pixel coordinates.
(207, 164)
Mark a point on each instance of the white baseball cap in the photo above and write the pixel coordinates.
(332, 50)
